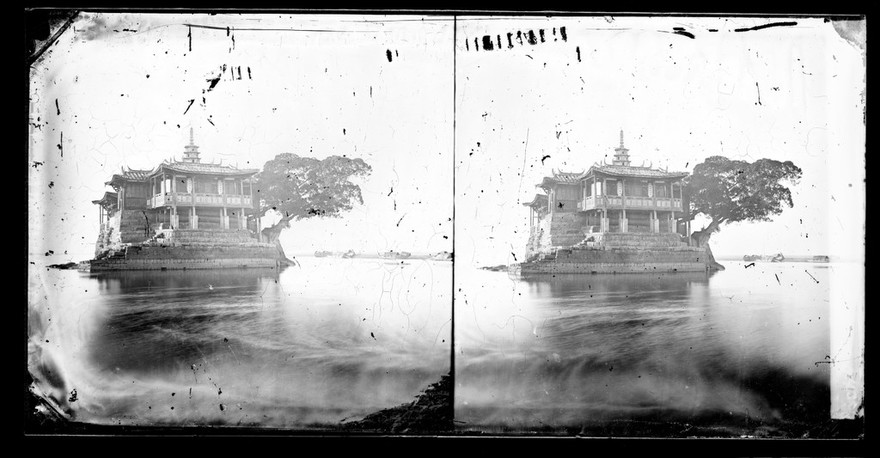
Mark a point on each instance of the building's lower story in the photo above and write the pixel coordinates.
(200, 218)
(160, 224)
(616, 252)
(210, 255)
(175, 249)
(560, 230)
(622, 220)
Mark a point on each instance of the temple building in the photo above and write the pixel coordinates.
(184, 201)
(609, 205)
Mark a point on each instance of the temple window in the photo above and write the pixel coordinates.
(661, 190)
(637, 189)
(205, 186)
(611, 188)
(232, 187)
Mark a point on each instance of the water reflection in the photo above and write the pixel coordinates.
(160, 317)
(562, 285)
(171, 280)
(305, 347)
(571, 351)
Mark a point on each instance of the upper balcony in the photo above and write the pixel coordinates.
(634, 203)
(200, 200)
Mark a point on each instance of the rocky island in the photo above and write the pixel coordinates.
(612, 218)
(182, 214)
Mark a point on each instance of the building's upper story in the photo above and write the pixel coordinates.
(185, 183)
(615, 186)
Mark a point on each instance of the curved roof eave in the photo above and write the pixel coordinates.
(656, 174)
(224, 172)
(539, 199)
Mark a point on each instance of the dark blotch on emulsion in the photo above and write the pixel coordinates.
(487, 43)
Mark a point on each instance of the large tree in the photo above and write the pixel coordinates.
(304, 187)
(728, 191)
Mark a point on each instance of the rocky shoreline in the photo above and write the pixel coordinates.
(498, 268)
(430, 412)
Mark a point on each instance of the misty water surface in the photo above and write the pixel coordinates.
(570, 351)
(313, 346)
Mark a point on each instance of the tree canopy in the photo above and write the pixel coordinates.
(304, 187)
(730, 190)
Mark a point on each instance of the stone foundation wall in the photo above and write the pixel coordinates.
(217, 237)
(560, 245)
(620, 253)
(181, 264)
(556, 230)
(189, 257)
(192, 252)
(187, 249)
(109, 235)
(550, 268)
(610, 255)
(134, 227)
(643, 240)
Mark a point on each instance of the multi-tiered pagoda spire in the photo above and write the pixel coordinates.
(191, 151)
(621, 154)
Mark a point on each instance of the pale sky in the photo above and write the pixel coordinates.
(313, 86)
(324, 85)
(785, 93)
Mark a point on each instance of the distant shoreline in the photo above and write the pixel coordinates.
(801, 258)
(367, 256)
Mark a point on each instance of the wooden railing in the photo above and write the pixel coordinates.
(588, 203)
(200, 200)
(208, 199)
(157, 201)
(635, 203)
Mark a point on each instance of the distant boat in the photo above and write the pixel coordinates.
(322, 254)
(349, 254)
(821, 258)
(778, 257)
(395, 254)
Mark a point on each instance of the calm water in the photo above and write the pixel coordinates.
(338, 339)
(570, 351)
(328, 342)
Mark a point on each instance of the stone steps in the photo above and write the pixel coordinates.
(643, 240)
(216, 238)
(566, 230)
(626, 235)
(566, 240)
(647, 248)
(567, 218)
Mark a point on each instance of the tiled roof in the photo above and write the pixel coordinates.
(207, 169)
(109, 197)
(540, 199)
(612, 170)
(128, 175)
(637, 172)
(567, 177)
(182, 167)
(561, 177)
(135, 175)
